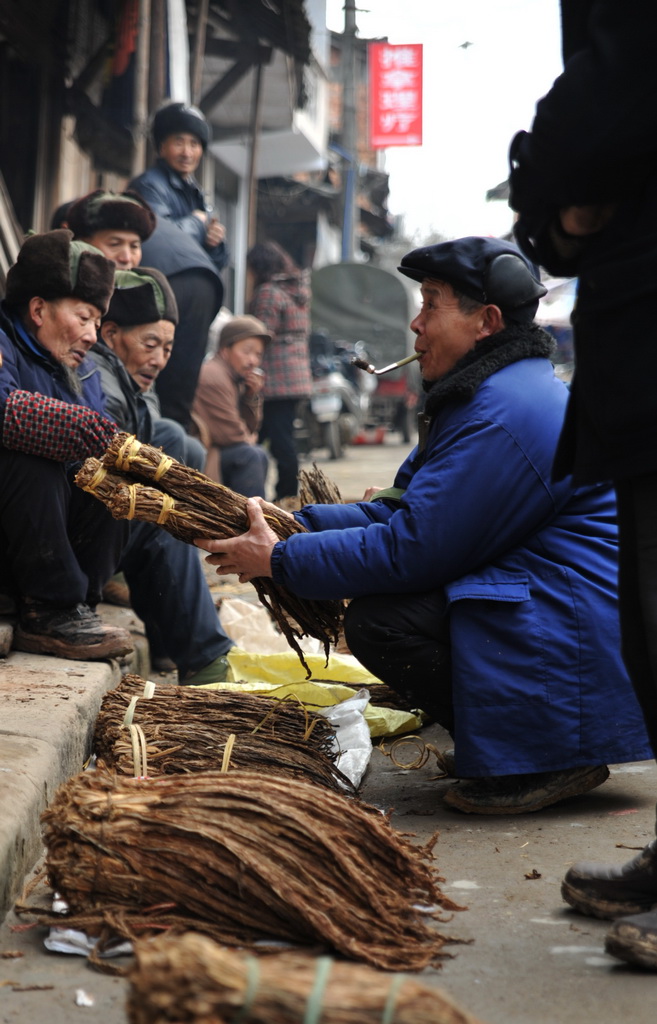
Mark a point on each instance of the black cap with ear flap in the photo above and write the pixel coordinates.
(510, 284)
(488, 270)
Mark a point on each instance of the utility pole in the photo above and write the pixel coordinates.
(349, 140)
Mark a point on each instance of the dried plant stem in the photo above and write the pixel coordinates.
(315, 488)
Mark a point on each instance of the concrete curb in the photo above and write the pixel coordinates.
(49, 708)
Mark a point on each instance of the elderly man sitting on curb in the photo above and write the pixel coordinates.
(57, 546)
(168, 589)
(117, 223)
(228, 400)
(481, 590)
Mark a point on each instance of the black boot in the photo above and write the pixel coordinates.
(76, 633)
(634, 939)
(610, 891)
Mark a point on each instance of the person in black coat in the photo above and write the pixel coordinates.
(584, 183)
(188, 246)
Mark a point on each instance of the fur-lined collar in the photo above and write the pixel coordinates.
(515, 342)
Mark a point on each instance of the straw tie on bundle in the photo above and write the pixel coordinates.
(188, 708)
(147, 485)
(192, 980)
(244, 859)
(143, 729)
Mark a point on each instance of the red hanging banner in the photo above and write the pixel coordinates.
(395, 87)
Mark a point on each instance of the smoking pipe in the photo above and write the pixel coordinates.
(369, 368)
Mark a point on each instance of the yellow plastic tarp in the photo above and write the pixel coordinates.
(281, 675)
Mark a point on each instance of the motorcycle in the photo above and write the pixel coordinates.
(339, 403)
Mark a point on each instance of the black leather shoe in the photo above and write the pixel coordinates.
(76, 633)
(634, 940)
(610, 891)
(520, 794)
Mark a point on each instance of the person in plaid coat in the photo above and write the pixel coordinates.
(281, 299)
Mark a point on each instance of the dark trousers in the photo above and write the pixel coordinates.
(169, 593)
(170, 436)
(637, 530)
(404, 640)
(60, 545)
(197, 300)
(244, 469)
(277, 428)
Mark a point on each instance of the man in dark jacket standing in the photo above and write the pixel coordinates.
(584, 182)
(480, 590)
(168, 589)
(187, 245)
(57, 546)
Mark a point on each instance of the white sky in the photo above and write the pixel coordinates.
(475, 99)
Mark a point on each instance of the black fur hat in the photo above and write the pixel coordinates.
(141, 296)
(53, 266)
(118, 211)
(488, 270)
(180, 117)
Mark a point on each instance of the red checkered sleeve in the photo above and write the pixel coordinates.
(38, 425)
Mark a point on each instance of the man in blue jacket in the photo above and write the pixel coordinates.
(187, 245)
(57, 548)
(481, 590)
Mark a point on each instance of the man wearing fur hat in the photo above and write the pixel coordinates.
(229, 401)
(188, 246)
(167, 585)
(115, 222)
(482, 591)
(57, 547)
(118, 223)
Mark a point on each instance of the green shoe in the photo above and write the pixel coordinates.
(216, 672)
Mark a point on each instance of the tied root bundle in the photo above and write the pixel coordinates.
(143, 729)
(243, 859)
(192, 980)
(138, 481)
(316, 488)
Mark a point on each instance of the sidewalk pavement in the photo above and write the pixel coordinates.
(49, 707)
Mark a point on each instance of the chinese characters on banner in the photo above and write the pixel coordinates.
(395, 87)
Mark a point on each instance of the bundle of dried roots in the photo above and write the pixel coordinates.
(245, 860)
(192, 980)
(286, 720)
(173, 731)
(315, 488)
(138, 481)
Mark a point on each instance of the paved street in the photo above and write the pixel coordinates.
(528, 960)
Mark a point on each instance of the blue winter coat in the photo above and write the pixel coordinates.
(528, 567)
(27, 366)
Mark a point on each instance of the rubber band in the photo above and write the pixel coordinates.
(96, 479)
(389, 1008)
(164, 467)
(139, 753)
(124, 457)
(250, 992)
(132, 500)
(316, 997)
(228, 749)
(149, 690)
(168, 505)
